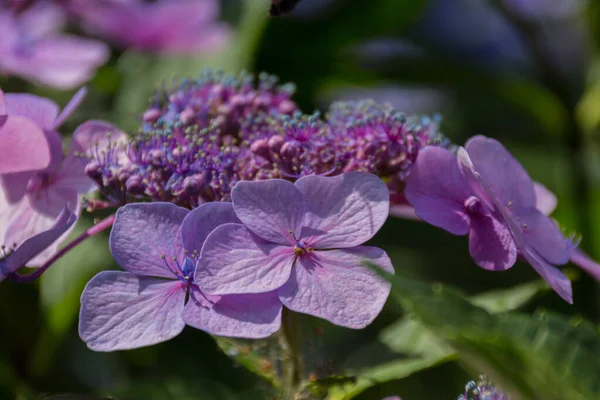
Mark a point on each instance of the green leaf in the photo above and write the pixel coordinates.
(545, 357)
(419, 347)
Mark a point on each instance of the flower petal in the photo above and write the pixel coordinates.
(235, 261)
(485, 193)
(143, 233)
(583, 261)
(555, 278)
(270, 209)
(35, 245)
(336, 286)
(251, 316)
(121, 311)
(545, 200)
(502, 172)
(491, 244)
(23, 146)
(543, 235)
(203, 220)
(71, 106)
(437, 190)
(343, 211)
(98, 135)
(2, 103)
(40, 110)
(404, 211)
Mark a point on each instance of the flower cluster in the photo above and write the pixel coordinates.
(202, 137)
(227, 268)
(482, 390)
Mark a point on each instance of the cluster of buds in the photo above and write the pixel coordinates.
(202, 137)
(482, 390)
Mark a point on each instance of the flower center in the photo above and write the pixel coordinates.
(182, 271)
(473, 205)
(299, 247)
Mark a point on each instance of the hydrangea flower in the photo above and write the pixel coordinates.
(181, 26)
(31, 201)
(482, 390)
(32, 47)
(13, 257)
(486, 193)
(303, 240)
(23, 145)
(157, 244)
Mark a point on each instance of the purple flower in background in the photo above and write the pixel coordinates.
(23, 144)
(31, 201)
(157, 244)
(180, 26)
(303, 240)
(486, 193)
(32, 47)
(13, 257)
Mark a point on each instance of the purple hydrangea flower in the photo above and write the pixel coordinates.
(13, 257)
(482, 390)
(31, 201)
(176, 26)
(23, 145)
(486, 193)
(32, 47)
(303, 240)
(157, 244)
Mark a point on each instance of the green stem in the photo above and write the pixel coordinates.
(289, 340)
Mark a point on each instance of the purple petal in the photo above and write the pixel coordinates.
(491, 244)
(270, 209)
(14, 186)
(543, 235)
(121, 311)
(23, 146)
(485, 193)
(203, 220)
(583, 261)
(144, 233)
(438, 191)
(334, 285)
(93, 134)
(555, 278)
(545, 200)
(40, 110)
(73, 104)
(343, 211)
(35, 245)
(251, 316)
(34, 216)
(235, 261)
(502, 172)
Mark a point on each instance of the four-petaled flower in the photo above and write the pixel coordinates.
(31, 200)
(303, 240)
(486, 193)
(158, 244)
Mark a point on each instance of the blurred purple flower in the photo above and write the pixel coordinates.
(303, 240)
(13, 257)
(23, 144)
(486, 193)
(31, 201)
(32, 47)
(147, 304)
(176, 26)
(482, 390)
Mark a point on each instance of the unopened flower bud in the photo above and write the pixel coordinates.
(135, 184)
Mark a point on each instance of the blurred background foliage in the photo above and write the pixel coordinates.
(525, 72)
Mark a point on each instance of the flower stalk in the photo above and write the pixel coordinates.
(289, 340)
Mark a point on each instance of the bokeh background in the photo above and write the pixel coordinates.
(525, 72)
